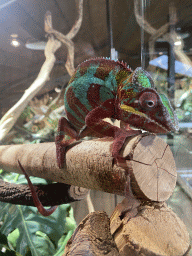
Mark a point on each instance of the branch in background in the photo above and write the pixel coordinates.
(66, 39)
(142, 22)
(49, 195)
(90, 203)
(10, 118)
(75, 29)
(162, 32)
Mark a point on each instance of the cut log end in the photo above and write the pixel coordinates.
(154, 230)
(153, 172)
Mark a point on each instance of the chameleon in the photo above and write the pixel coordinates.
(102, 88)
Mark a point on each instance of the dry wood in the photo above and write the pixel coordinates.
(89, 164)
(153, 174)
(154, 230)
(92, 237)
(53, 44)
(163, 32)
(49, 195)
(9, 119)
(66, 39)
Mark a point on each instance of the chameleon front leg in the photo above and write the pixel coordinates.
(94, 121)
(64, 128)
(37, 202)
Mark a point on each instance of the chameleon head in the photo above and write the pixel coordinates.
(142, 107)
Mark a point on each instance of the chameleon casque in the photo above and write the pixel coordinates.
(103, 88)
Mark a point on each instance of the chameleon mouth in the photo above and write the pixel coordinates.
(149, 122)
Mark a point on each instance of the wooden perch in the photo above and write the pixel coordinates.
(154, 230)
(137, 227)
(89, 164)
(92, 237)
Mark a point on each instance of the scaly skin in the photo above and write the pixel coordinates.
(102, 88)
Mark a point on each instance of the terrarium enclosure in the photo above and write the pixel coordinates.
(41, 45)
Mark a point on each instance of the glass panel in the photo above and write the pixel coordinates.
(166, 54)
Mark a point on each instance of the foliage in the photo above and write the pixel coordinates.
(25, 232)
(5, 247)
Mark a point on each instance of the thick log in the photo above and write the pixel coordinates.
(92, 237)
(89, 164)
(148, 229)
(152, 168)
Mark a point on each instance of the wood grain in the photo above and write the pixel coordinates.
(92, 237)
(148, 229)
(153, 170)
(89, 164)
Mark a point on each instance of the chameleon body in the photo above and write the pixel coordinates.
(102, 88)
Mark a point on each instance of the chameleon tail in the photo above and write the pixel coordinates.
(37, 202)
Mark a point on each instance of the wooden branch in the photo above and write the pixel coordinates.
(92, 237)
(89, 164)
(49, 195)
(75, 29)
(52, 46)
(9, 119)
(66, 39)
(142, 22)
(162, 31)
(148, 229)
(89, 203)
(136, 228)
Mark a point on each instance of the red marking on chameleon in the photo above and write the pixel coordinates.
(73, 102)
(93, 95)
(95, 122)
(105, 65)
(104, 69)
(74, 121)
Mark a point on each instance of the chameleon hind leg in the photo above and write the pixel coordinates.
(66, 134)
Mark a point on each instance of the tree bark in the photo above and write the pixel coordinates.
(49, 195)
(92, 237)
(137, 227)
(150, 166)
(142, 224)
(155, 230)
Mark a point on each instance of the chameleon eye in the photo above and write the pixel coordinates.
(148, 100)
